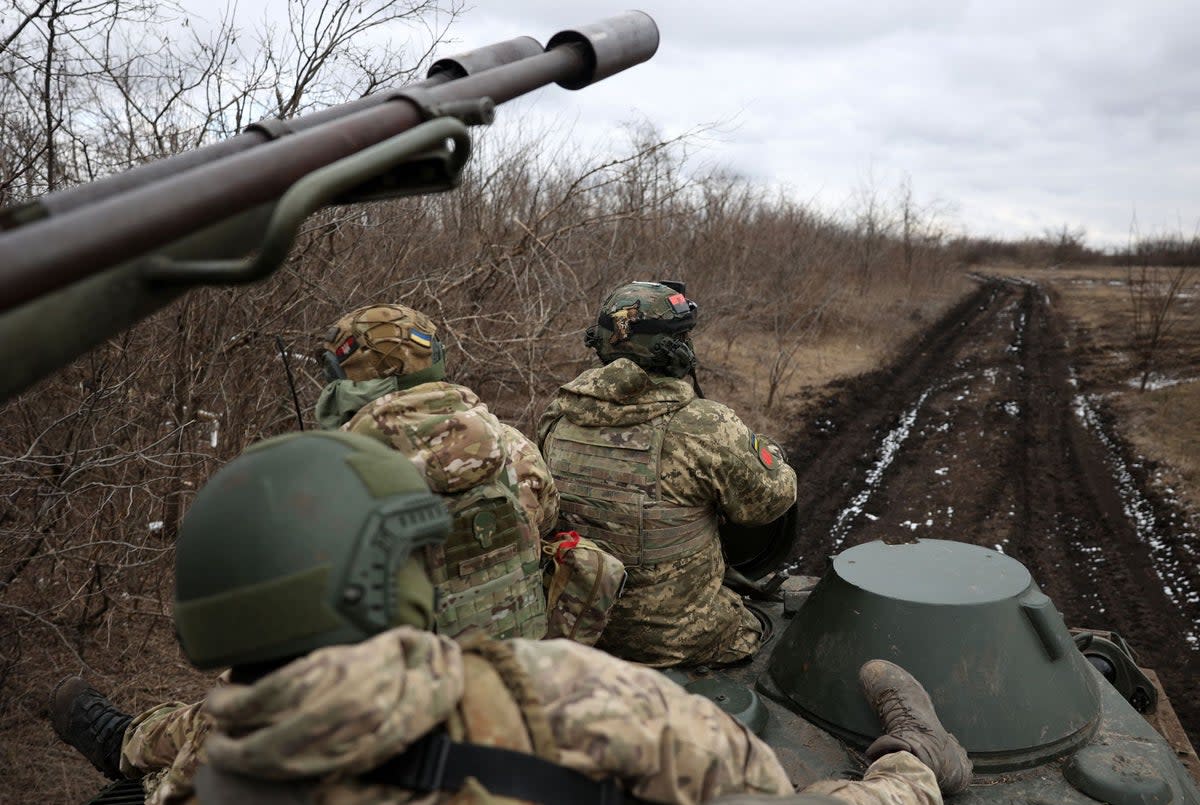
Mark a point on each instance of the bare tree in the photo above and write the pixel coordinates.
(1154, 293)
(872, 229)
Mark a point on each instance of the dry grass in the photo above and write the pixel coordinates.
(733, 370)
(1161, 423)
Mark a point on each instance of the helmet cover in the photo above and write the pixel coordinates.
(647, 322)
(303, 541)
(383, 341)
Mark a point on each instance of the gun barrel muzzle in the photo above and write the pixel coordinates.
(612, 45)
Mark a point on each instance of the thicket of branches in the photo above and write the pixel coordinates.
(1067, 245)
(98, 463)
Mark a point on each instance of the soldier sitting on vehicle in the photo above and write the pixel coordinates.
(647, 470)
(386, 369)
(296, 567)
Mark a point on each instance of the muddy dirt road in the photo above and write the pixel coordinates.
(981, 434)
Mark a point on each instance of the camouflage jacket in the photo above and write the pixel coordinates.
(458, 442)
(341, 711)
(500, 495)
(673, 612)
(710, 457)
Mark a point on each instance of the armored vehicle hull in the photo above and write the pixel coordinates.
(1034, 705)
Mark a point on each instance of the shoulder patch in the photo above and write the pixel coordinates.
(762, 449)
(420, 339)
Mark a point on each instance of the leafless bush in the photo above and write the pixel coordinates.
(1154, 294)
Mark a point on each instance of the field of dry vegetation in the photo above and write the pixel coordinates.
(1136, 344)
(98, 464)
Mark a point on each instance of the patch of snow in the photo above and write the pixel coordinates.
(1019, 334)
(885, 455)
(157, 525)
(1158, 381)
(1163, 555)
(1012, 408)
(941, 471)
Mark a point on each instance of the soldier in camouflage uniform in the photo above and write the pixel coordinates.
(647, 470)
(338, 691)
(387, 371)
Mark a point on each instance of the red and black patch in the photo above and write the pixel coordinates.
(763, 450)
(679, 303)
(345, 348)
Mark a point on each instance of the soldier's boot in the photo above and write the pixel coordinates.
(86, 720)
(911, 725)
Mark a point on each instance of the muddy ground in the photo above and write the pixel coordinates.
(982, 433)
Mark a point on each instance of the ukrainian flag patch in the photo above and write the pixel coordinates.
(423, 339)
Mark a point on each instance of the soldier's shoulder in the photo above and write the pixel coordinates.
(707, 418)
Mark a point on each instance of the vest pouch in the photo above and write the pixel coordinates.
(583, 583)
(486, 572)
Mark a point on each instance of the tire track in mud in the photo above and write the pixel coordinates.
(837, 448)
(978, 433)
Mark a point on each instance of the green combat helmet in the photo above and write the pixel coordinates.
(647, 322)
(384, 341)
(303, 541)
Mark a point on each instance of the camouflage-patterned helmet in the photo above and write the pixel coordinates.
(303, 541)
(383, 341)
(647, 322)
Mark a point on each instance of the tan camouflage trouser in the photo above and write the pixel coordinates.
(895, 779)
(164, 743)
(677, 613)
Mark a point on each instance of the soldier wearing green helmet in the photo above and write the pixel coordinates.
(647, 469)
(296, 566)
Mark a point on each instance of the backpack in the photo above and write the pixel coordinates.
(582, 586)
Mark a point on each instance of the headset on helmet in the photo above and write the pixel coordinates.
(303, 541)
(648, 323)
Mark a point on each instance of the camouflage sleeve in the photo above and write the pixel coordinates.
(614, 718)
(551, 415)
(167, 736)
(535, 487)
(711, 455)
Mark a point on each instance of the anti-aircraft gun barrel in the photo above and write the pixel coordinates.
(81, 266)
(440, 72)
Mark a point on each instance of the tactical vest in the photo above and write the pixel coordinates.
(608, 486)
(487, 573)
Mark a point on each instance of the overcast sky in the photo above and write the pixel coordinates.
(1018, 116)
